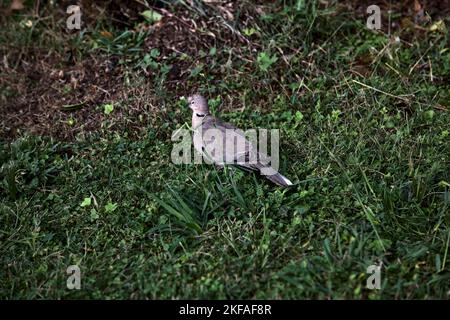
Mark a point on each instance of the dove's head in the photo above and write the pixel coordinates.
(198, 104)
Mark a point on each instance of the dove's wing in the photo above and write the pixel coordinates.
(223, 142)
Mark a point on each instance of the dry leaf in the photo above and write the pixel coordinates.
(17, 5)
(417, 6)
(106, 34)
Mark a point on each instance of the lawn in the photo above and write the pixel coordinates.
(86, 176)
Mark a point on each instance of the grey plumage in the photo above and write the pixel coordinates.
(223, 143)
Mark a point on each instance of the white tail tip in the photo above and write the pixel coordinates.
(287, 181)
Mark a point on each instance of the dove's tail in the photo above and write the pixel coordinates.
(268, 172)
(280, 180)
(274, 176)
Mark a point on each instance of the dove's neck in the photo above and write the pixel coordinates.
(197, 119)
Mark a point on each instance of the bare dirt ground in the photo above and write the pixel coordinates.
(53, 88)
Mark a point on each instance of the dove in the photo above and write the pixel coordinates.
(222, 143)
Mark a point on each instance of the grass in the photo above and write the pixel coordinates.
(364, 135)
